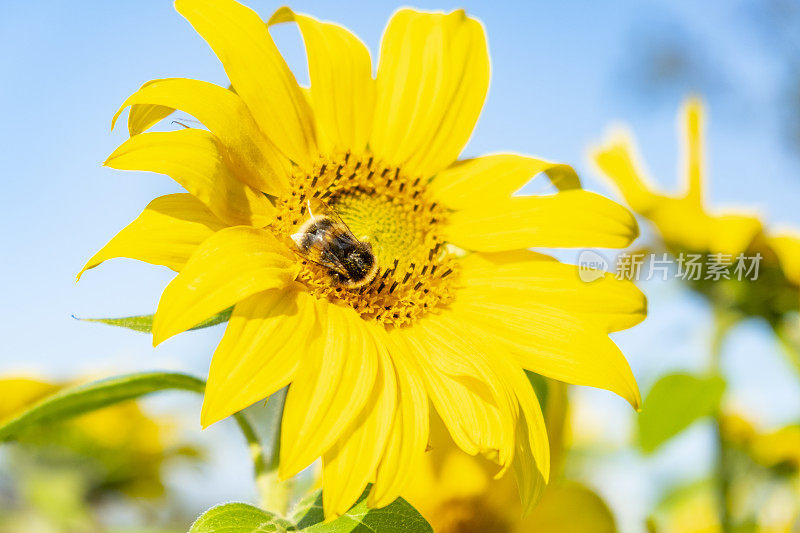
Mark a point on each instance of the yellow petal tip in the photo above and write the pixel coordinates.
(282, 14)
(635, 231)
(157, 337)
(283, 475)
(636, 401)
(159, 333)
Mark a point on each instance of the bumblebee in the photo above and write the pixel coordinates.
(326, 240)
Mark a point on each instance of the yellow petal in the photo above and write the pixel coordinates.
(618, 160)
(693, 148)
(408, 437)
(194, 159)
(777, 447)
(432, 79)
(472, 399)
(342, 89)
(532, 455)
(250, 156)
(685, 226)
(788, 249)
(484, 399)
(258, 354)
(519, 278)
(332, 386)
(473, 182)
(732, 234)
(167, 233)
(142, 117)
(229, 266)
(349, 465)
(569, 219)
(553, 343)
(555, 415)
(451, 488)
(258, 73)
(21, 393)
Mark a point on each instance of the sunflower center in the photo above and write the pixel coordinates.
(386, 210)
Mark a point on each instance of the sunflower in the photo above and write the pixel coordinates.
(687, 227)
(458, 306)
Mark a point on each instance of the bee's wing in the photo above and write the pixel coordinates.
(320, 256)
(318, 259)
(317, 253)
(329, 212)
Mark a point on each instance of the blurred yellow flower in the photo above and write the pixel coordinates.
(688, 227)
(778, 448)
(129, 446)
(457, 493)
(765, 488)
(20, 393)
(736, 429)
(367, 335)
(695, 513)
(777, 511)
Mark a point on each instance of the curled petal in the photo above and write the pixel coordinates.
(254, 159)
(194, 159)
(474, 182)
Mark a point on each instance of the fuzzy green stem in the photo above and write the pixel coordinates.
(786, 333)
(278, 400)
(723, 322)
(723, 479)
(273, 493)
(254, 444)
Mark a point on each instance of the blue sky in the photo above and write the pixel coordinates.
(561, 73)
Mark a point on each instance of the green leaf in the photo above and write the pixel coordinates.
(144, 323)
(673, 404)
(239, 518)
(74, 401)
(397, 517)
